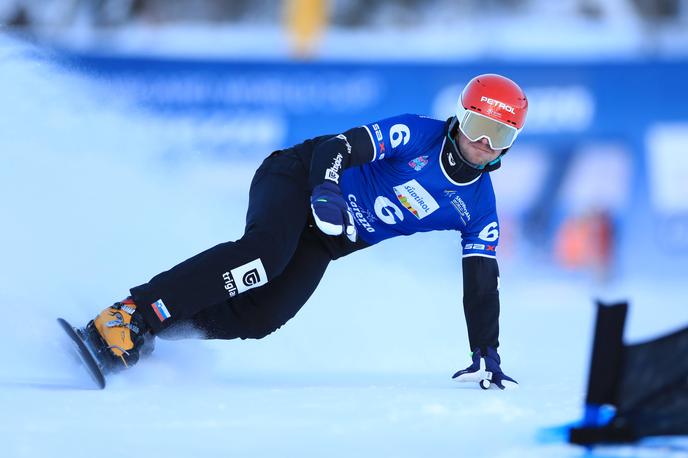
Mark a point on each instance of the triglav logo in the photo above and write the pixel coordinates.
(251, 274)
(251, 277)
(229, 284)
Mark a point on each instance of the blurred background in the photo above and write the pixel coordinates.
(595, 186)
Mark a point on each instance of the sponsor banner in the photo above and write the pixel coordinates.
(236, 109)
(321, 96)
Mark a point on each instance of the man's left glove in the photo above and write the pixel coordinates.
(330, 211)
(485, 371)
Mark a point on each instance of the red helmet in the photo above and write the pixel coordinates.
(493, 107)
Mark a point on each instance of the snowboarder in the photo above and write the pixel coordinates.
(328, 197)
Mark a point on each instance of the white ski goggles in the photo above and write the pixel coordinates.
(476, 126)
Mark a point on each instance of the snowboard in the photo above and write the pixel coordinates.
(88, 354)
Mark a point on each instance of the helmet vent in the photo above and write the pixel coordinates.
(476, 108)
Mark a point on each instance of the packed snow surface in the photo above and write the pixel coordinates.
(92, 204)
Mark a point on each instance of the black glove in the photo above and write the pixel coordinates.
(330, 211)
(485, 371)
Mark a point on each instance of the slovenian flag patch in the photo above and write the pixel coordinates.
(160, 310)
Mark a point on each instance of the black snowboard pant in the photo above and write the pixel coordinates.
(252, 286)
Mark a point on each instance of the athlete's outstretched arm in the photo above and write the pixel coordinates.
(481, 306)
(481, 301)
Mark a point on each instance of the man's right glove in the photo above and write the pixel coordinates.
(330, 211)
(485, 371)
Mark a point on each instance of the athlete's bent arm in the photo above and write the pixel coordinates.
(330, 158)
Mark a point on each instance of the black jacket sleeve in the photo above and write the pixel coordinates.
(353, 147)
(481, 301)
